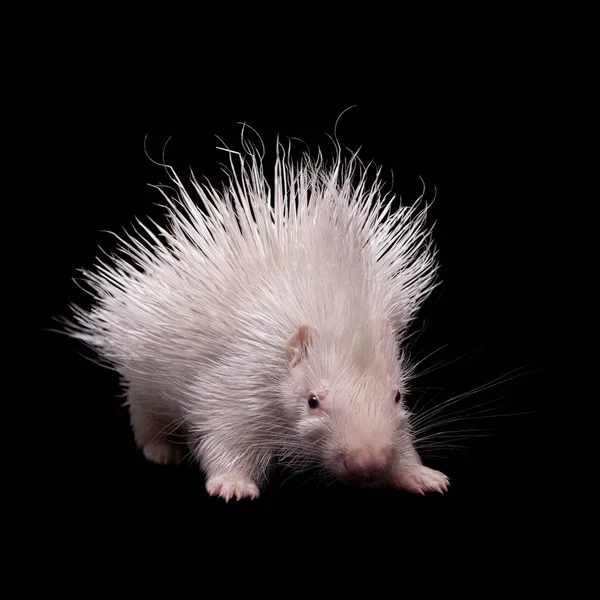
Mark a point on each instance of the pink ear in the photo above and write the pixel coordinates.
(297, 344)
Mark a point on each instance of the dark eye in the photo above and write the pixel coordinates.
(313, 402)
(398, 397)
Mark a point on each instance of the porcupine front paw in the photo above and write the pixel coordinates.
(228, 485)
(419, 479)
(162, 453)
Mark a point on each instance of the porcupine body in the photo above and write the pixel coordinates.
(264, 323)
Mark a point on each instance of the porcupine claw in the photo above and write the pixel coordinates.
(420, 479)
(229, 485)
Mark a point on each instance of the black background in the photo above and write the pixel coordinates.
(491, 105)
(487, 152)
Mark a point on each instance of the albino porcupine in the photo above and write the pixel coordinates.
(266, 324)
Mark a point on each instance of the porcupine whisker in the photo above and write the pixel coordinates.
(484, 414)
(417, 363)
(458, 434)
(442, 364)
(457, 398)
(471, 411)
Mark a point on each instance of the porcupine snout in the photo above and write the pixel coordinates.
(367, 462)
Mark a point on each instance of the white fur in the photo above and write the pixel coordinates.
(195, 316)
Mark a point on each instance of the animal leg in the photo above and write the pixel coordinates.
(152, 432)
(411, 475)
(231, 473)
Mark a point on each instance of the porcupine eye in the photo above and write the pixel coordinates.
(313, 402)
(398, 397)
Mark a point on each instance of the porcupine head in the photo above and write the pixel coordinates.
(345, 396)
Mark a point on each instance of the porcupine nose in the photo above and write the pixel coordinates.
(368, 462)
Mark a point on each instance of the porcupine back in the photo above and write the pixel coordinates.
(321, 245)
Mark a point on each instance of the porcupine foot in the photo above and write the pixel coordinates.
(162, 452)
(152, 431)
(419, 479)
(228, 485)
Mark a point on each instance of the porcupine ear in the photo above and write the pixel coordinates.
(297, 344)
